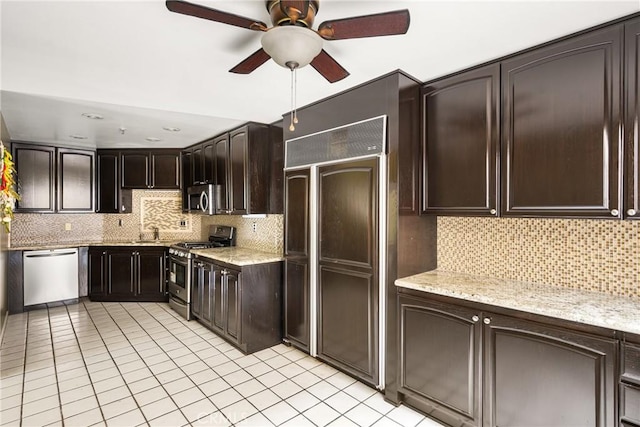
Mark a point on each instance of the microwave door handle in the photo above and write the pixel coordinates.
(204, 201)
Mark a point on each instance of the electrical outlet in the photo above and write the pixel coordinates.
(67, 226)
(183, 223)
(254, 226)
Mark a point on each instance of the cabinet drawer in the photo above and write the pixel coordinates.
(630, 403)
(630, 369)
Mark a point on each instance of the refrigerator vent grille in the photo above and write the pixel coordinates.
(359, 139)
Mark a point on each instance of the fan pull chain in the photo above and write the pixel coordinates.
(293, 103)
(295, 95)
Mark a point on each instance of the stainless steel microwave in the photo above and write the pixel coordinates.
(203, 198)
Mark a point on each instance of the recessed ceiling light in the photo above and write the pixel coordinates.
(171, 129)
(153, 139)
(77, 136)
(94, 116)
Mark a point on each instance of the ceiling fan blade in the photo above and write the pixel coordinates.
(186, 8)
(328, 67)
(254, 60)
(381, 24)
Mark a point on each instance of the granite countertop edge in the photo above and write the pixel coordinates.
(231, 255)
(238, 256)
(581, 306)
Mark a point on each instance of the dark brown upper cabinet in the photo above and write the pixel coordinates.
(186, 163)
(221, 150)
(36, 178)
(54, 179)
(560, 128)
(409, 151)
(110, 197)
(460, 143)
(632, 142)
(154, 169)
(243, 163)
(165, 169)
(76, 180)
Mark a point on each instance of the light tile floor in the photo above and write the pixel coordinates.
(128, 364)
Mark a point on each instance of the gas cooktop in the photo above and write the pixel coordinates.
(197, 245)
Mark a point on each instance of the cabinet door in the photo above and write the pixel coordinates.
(196, 159)
(35, 176)
(108, 182)
(221, 151)
(165, 170)
(196, 289)
(238, 170)
(208, 161)
(460, 143)
(151, 274)
(207, 293)
(541, 376)
(76, 180)
(561, 126)
(296, 251)
(135, 169)
(217, 296)
(232, 299)
(632, 137)
(120, 272)
(440, 363)
(187, 177)
(630, 384)
(96, 272)
(347, 267)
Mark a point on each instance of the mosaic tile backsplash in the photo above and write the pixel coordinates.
(597, 255)
(150, 208)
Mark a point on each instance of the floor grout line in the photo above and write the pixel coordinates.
(138, 339)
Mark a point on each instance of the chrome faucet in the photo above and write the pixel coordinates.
(156, 233)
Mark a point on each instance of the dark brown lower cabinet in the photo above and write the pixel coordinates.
(630, 384)
(242, 304)
(468, 367)
(440, 360)
(127, 273)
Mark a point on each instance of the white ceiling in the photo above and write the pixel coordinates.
(144, 68)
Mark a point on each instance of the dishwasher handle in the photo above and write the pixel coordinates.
(49, 255)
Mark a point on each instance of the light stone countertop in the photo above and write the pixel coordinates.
(45, 246)
(587, 307)
(238, 256)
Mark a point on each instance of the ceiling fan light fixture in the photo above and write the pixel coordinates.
(289, 44)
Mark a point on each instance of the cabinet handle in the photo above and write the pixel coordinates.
(475, 319)
(614, 212)
(486, 320)
(631, 212)
(493, 211)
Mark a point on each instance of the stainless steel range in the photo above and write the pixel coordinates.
(181, 265)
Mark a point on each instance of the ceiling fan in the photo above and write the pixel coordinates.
(291, 41)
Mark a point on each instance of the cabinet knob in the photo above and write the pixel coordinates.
(614, 212)
(493, 211)
(475, 319)
(224, 272)
(486, 320)
(631, 212)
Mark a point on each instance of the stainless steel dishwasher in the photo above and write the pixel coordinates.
(50, 275)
